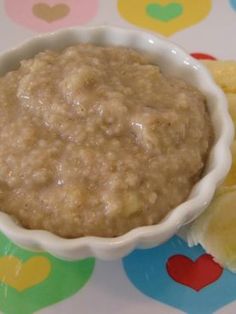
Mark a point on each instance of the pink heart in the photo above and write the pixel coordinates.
(79, 12)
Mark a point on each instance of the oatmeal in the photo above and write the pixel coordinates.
(97, 141)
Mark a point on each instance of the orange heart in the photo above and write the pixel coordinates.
(23, 275)
(50, 13)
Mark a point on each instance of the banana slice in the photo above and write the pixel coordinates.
(215, 230)
(224, 73)
(230, 180)
(232, 105)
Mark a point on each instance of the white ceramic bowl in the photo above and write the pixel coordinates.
(172, 60)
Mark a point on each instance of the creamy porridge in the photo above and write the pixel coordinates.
(97, 141)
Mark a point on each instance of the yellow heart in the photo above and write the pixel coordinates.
(50, 13)
(23, 275)
(138, 13)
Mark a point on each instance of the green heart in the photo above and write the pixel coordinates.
(64, 280)
(164, 13)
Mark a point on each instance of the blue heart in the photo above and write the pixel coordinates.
(146, 269)
(233, 4)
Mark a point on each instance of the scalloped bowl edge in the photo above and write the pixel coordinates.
(171, 59)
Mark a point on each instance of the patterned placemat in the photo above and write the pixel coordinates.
(171, 278)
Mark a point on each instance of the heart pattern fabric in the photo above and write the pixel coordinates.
(23, 275)
(50, 13)
(182, 277)
(164, 16)
(32, 281)
(164, 12)
(194, 274)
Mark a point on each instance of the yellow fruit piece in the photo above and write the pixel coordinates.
(164, 16)
(215, 230)
(224, 73)
(232, 106)
(230, 180)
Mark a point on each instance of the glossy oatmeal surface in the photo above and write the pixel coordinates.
(97, 141)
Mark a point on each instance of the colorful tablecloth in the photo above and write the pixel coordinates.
(171, 278)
